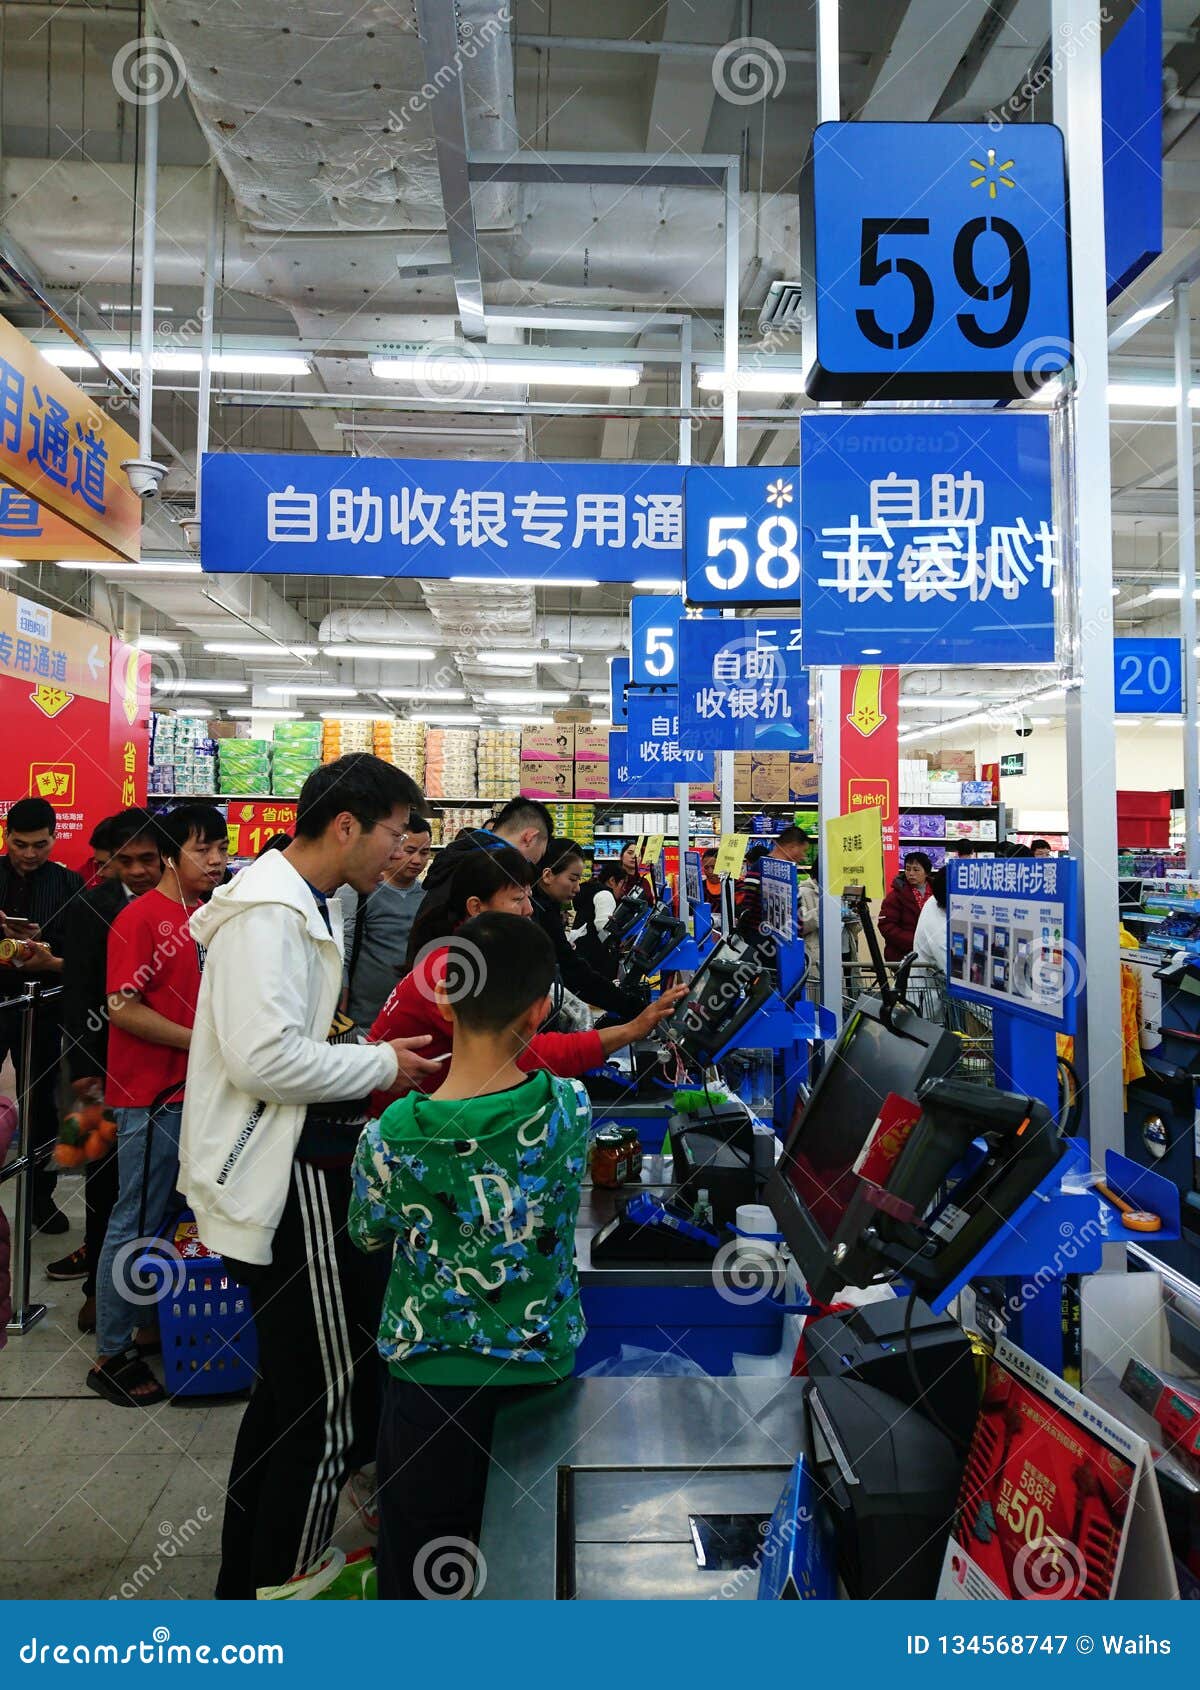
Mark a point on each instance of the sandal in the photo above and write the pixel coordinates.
(116, 1381)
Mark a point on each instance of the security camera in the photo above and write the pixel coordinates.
(1023, 730)
(144, 475)
(191, 533)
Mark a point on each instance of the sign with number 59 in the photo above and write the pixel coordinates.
(741, 537)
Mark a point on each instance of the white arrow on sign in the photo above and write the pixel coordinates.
(94, 662)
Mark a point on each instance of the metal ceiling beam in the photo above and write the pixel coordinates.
(438, 24)
(1153, 297)
(906, 81)
(636, 170)
(665, 49)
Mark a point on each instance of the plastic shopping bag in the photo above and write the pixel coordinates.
(337, 1577)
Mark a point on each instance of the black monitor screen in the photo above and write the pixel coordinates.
(814, 1180)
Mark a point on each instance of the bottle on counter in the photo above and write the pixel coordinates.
(610, 1158)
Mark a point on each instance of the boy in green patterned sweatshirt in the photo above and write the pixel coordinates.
(477, 1188)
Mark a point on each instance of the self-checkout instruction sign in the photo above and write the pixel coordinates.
(936, 259)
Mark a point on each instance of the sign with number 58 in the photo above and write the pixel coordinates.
(741, 537)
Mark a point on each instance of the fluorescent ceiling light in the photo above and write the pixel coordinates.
(938, 703)
(216, 689)
(153, 642)
(332, 715)
(525, 659)
(657, 584)
(522, 721)
(1040, 721)
(1170, 593)
(258, 648)
(444, 373)
(526, 695)
(450, 719)
(1151, 395)
(190, 710)
(11, 563)
(762, 380)
(166, 360)
(269, 712)
(383, 653)
(148, 566)
(446, 695)
(1127, 721)
(302, 689)
(525, 581)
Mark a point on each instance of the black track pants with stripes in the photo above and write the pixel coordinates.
(314, 1411)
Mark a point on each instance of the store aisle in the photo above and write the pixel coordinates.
(100, 1501)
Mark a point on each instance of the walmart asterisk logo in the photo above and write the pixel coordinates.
(991, 173)
(779, 493)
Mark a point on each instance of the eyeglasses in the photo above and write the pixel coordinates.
(398, 834)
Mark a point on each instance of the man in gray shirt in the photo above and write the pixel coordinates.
(378, 927)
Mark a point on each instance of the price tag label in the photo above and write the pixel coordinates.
(731, 854)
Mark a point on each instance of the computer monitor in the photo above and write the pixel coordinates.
(723, 994)
(814, 1181)
(628, 912)
(657, 939)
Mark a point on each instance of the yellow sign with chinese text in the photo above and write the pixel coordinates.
(854, 852)
(62, 656)
(60, 450)
(731, 853)
(652, 848)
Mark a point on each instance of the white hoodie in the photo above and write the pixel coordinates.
(259, 1053)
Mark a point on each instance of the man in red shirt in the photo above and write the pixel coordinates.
(153, 982)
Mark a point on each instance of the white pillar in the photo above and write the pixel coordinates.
(149, 242)
(729, 401)
(683, 813)
(1091, 735)
(207, 312)
(828, 683)
(1186, 499)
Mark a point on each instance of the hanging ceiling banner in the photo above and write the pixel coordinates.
(283, 514)
(32, 531)
(743, 685)
(59, 450)
(928, 538)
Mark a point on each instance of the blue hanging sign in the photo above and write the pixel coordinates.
(652, 789)
(741, 536)
(618, 680)
(1149, 677)
(654, 638)
(929, 538)
(1131, 119)
(742, 685)
(1012, 941)
(286, 514)
(936, 258)
(654, 751)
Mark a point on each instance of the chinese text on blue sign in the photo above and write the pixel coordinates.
(937, 259)
(742, 536)
(654, 638)
(1011, 936)
(1149, 677)
(780, 895)
(929, 537)
(388, 516)
(655, 753)
(742, 685)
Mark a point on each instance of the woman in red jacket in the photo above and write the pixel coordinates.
(901, 909)
(492, 880)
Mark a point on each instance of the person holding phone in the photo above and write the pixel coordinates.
(36, 899)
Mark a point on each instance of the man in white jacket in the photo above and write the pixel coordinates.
(277, 1093)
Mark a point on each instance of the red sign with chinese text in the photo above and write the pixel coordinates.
(251, 825)
(870, 752)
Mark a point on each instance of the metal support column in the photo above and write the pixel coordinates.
(684, 814)
(1186, 498)
(149, 251)
(1091, 735)
(207, 313)
(828, 682)
(24, 1313)
(729, 400)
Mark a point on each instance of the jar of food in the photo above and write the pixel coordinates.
(16, 951)
(610, 1162)
(633, 1153)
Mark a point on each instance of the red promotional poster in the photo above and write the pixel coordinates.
(870, 748)
(251, 825)
(76, 709)
(1047, 1495)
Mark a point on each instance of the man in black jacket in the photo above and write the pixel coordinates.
(36, 899)
(522, 823)
(132, 839)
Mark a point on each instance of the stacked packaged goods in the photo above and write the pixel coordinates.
(183, 759)
(451, 762)
(296, 752)
(343, 734)
(244, 765)
(499, 763)
(574, 821)
(401, 743)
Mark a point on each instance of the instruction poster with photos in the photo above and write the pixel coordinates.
(778, 881)
(1011, 936)
(1058, 1500)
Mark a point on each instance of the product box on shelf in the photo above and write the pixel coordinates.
(770, 777)
(591, 778)
(931, 825)
(547, 778)
(548, 740)
(803, 776)
(591, 745)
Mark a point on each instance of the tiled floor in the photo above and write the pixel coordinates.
(97, 1500)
